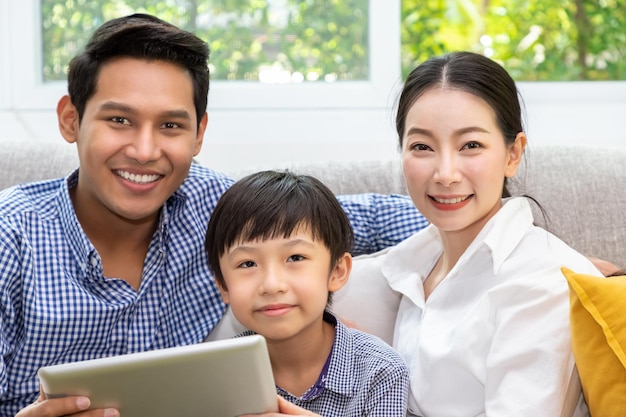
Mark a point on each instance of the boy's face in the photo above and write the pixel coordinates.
(136, 140)
(279, 287)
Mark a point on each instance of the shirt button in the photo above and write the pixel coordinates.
(94, 262)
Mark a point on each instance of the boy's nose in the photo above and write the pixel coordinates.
(273, 282)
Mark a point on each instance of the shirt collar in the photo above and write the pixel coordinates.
(80, 246)
(342, 357)
(506, 229)
(415, 257)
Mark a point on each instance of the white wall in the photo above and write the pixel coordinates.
(556, 113)
(234, 139)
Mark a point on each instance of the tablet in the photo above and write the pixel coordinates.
(223, 378)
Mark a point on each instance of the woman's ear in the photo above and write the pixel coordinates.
(516, 152)
(340, 273)
(67, 116)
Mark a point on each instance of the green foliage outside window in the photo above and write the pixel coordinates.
(551, 40)
(327, 40)
(288, 40)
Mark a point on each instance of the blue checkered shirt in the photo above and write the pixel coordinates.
(56, 306)
(365, 377)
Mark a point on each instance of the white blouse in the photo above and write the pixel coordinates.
(493, 338)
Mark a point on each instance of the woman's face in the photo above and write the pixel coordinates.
(455, 159)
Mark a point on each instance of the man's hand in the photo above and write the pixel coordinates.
(606, 267)
(74, 406)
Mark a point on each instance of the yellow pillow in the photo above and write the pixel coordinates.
(598, 324)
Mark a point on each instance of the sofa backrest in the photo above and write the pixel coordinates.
(579, 188)
(24, 161)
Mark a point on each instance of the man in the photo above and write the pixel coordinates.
(110, 260)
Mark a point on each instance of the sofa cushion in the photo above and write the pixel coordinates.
(598, 326)
(367, 301)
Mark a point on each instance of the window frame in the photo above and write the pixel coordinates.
(30, 92)
(568, 92)
(5, 73)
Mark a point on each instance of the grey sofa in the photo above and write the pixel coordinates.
(581, 189)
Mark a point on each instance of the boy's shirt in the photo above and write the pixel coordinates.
(363, 376)
(57, 307)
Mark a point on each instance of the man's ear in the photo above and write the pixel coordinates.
(340, 273)
(516, 152)
(67, 116)
(200, 134)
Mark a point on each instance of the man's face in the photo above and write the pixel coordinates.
(136, 140)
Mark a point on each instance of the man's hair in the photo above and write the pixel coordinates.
(274, 204)
(145, 37)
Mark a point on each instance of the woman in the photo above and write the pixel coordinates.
(483, 320)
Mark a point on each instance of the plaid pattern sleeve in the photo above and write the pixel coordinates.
(380, 221)
(56, 305)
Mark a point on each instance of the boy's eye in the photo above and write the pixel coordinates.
(295, 258)
(247, 264)
(170, 125)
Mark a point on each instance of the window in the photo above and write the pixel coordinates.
(535, 40)
(273, 41)
(289, 41)
(347, 111)
(318, 79)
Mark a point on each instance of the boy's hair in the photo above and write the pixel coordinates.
(273, 204)
(145, 37)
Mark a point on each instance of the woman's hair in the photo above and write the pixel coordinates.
(273, 204)
(474, 74)
(144, 37)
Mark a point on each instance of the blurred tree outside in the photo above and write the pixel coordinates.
(276, 41)
(292, 41)
(535, 40)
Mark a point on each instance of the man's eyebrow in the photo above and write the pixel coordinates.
(116, 106)
(176, 114)
(113, 105)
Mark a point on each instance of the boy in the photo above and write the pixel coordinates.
(278, 246)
